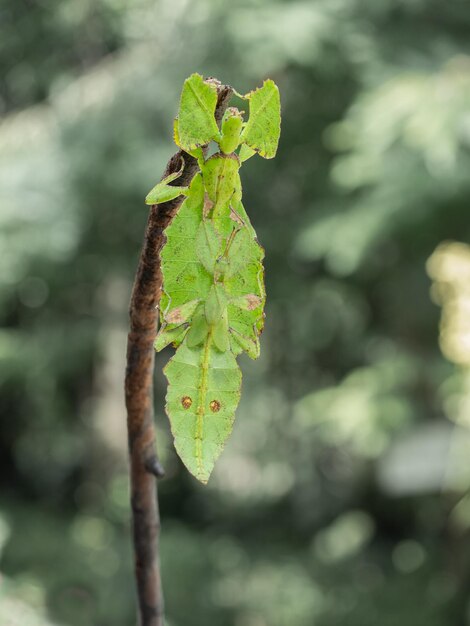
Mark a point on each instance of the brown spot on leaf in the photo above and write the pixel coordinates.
(253, 301)
(186, 402)
(214, 406)
(208, 205)
(175, 316)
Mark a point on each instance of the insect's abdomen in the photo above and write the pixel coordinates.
(203, 394)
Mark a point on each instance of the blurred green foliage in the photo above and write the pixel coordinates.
(340, 498)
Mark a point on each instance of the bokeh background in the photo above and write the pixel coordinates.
(342, 498)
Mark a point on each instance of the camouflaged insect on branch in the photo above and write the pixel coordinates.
(213, 297)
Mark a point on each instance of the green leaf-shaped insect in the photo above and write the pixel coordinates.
(211, 308)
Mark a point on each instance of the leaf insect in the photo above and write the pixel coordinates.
(213, 290)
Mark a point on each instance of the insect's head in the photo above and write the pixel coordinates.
(231, 128)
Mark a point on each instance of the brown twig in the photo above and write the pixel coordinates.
(144, 464)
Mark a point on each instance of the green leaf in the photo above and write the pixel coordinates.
(196, 117)
(263, 128)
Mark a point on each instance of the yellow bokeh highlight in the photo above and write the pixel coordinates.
(449, 267)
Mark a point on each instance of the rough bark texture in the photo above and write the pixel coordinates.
(144, 465)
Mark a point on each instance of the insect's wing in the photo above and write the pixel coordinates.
(198, 331)
(261, 132)
(208, 245)
(241, 249)
(184, 277)
(245, 287)
(216, 304)
(196, 124)
(220, 334)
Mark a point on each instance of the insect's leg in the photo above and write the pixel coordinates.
(250, 345)
(163, 191)
(248, 302)
(230, 239)
(245, 153)
(236, 217)
(182, 316)
(182, 313)
(166, 335)
(199, 155)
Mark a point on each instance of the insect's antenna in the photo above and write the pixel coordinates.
(236, 217)
(239, 95)
(230, 239)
